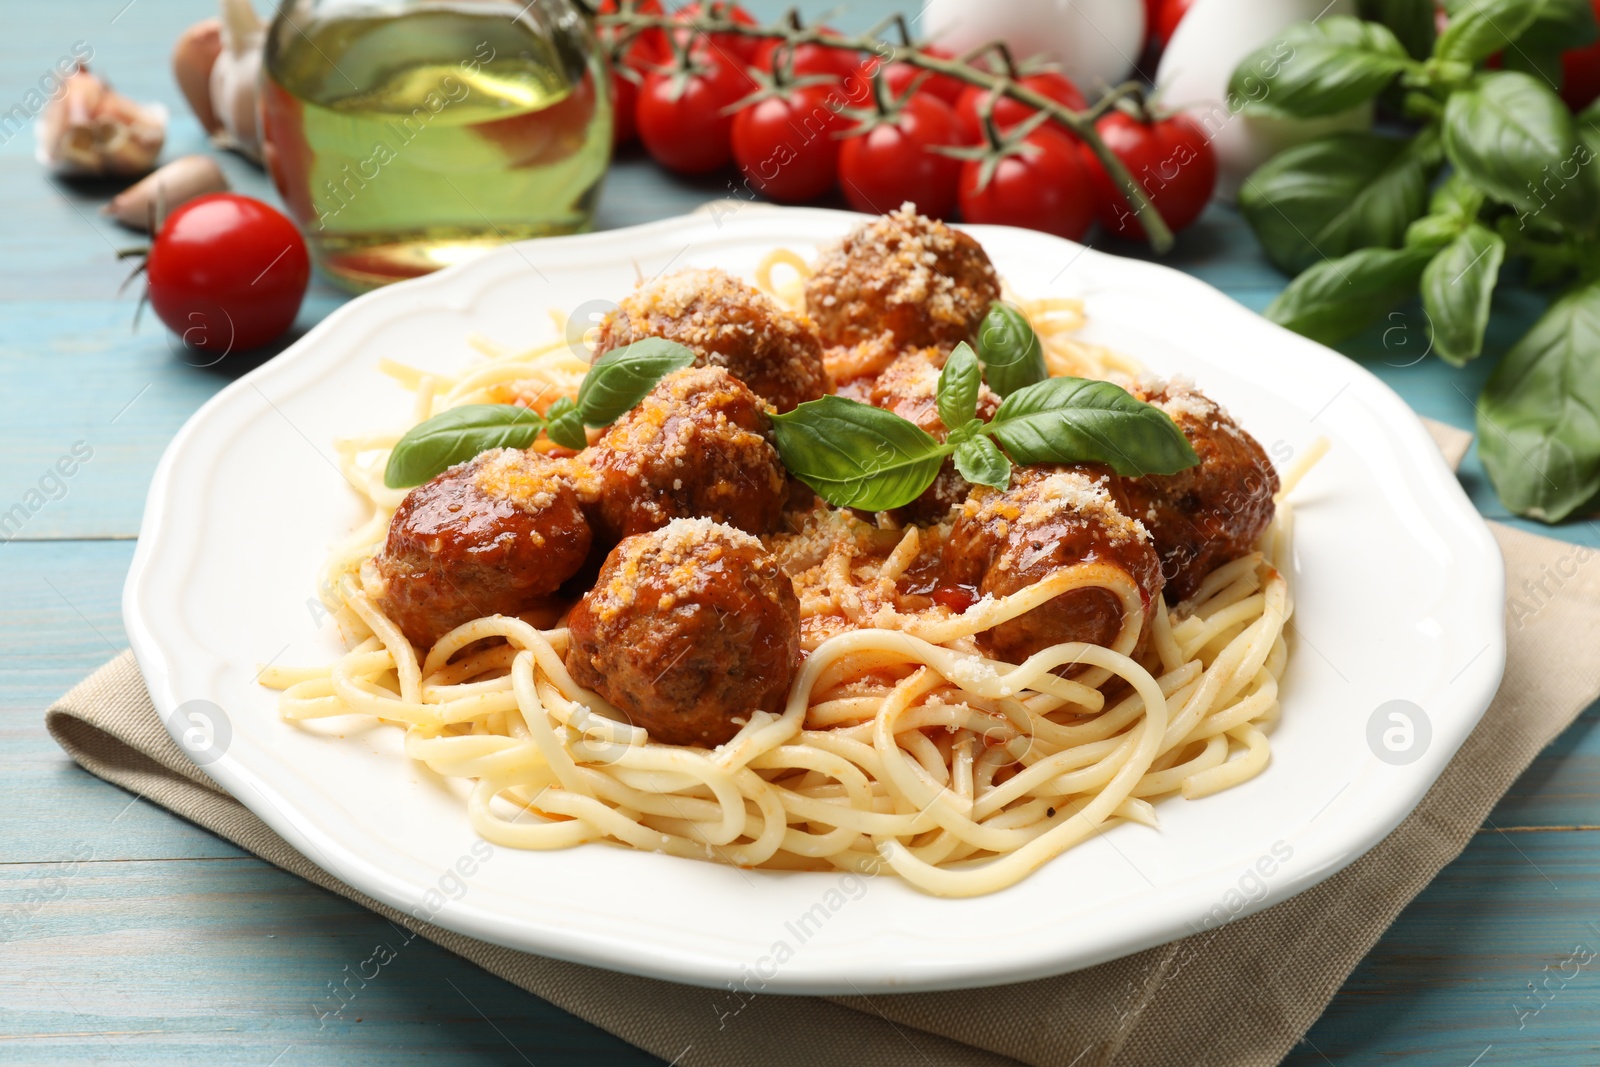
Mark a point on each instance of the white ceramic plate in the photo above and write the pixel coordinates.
(1398, 584)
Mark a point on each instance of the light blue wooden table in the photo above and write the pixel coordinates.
(137, 938)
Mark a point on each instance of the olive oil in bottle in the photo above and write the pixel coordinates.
(412, 134)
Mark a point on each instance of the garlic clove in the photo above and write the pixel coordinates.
(193, 58)
(236, 79)
(92, 130)
(154, 197)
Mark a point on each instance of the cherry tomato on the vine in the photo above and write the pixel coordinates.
(1580, 83)
(892, 161)
(645, 51)
(812, 59)
(1040, 184)
(1008, 112)
(734, 45)
(682, 119)
(899, 76)
(1171, 158)
(227, 273)
(785, 146)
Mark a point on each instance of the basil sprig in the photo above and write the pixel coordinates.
(1351, 215)
(617, 381)
(1010, 351)
(859, 456)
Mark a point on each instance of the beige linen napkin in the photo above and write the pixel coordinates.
(1242, 993)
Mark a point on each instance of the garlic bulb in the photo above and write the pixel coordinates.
(236, 79)
(143, 205)
(92, 130)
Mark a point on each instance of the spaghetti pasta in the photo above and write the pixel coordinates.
(900, 744)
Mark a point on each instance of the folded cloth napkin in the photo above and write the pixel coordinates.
(1241, 993)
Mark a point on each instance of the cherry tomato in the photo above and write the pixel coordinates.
(644, 51)
(734, 45)
(1009, 112)
(1152, 12)
(1041, 185)
(1580, 83)
(901, 75)
(681, 115)
(1171, 158)
(891, 162)
(785, 146)
(812, 59)
(1171, 13)
(227, 273)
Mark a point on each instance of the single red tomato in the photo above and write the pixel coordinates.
(1040, 184)
(681, 113)
(227, 273)
(644, 52)
(1580, 67)
(1152, 12)
(900, 76)
(733, 45)
(1009, 112)
(785, 146)
(810, 60)
(888, 160)
(1171, 13)
(1171, 158)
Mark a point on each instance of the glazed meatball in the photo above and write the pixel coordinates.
(689, 630)
(728, 324)
(492, 536)
(1050, 517)
(698, 446)
(928, 285)
(909, 388)
(1212, 513)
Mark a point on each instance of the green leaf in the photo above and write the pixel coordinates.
(959, 382)
(1479, 28)
(1410, 20)
(1511, 136)
(1332, 65)
(1332, 196)
(1539, 414)
(623, 376)
(564, 425)
(1076, 420)
(1457, 198)
(455, 436)
(855, 455)
(1588, 124)
(1456, 286)
(1010, 350)
(980, 461)
(1338, 298)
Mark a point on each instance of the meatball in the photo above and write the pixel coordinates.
(689, 630)
(492, 536)
(698, 446)
(1212, 513)
(728, 324)
(909, 388)
(1050, 517)
(928, 285)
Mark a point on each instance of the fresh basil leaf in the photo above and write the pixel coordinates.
(1510, 135)
(1337, 298)
(1479, 28)
(623, 376)
(1076, 420)
(980, 461)
(959, 382)
(1010, 350)
(1539, 414)
(1334, 195)
(1456, 287)
(855, 455)
(1457, 198)
(455, 436)
(1334, 64)
(1410, 20)
(1588, 123)
(1433, 231)
(564, 425)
